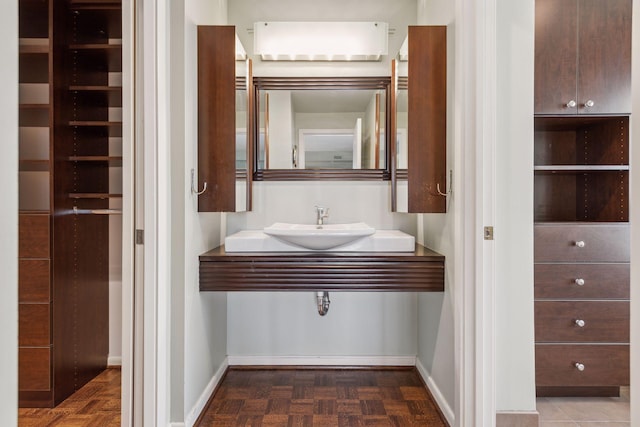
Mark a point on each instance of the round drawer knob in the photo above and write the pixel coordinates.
(579, 282)
(571, 104)
(579, 366)
(580, 323)
(589, 103)
(580, 243)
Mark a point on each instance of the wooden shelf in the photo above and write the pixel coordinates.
(421, 270)
(112, 160)
(95, 88)
(96, 46)
(34, 106)
(95, 196)
(77, 211)
(581, 168)
(34, 165)
(105, 5)
(94, 123)
(30, 49)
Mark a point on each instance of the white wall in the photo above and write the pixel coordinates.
(515, 373)
(204, 326)
(9, 213)
(287, 324)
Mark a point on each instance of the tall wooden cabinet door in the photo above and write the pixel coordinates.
(556, 51)
(427, 119)
(604, 56)
(216, 118)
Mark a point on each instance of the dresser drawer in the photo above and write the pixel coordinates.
(33, 280)
(34, 323)
(604, 365)
(33, 236)
(603, 321)
(34, 369)
(581, 242)
(581, 281)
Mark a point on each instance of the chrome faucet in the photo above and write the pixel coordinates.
(321, 214)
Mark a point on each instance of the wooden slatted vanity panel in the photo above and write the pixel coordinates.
(421, 270)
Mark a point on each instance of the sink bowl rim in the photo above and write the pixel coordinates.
(323, 237)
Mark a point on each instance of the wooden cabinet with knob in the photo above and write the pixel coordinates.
(583, 57)
(581, 196)
(581, 281)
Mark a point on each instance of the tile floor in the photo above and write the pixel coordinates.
(585, 411)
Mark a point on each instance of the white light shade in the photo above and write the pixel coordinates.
(320, 41)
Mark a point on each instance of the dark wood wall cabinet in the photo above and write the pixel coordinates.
(422, 270)
(581, 196)
(217, 89)
(583, 57)
(427, 119)
(70, 132)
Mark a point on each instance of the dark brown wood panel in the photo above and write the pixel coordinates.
(581, 195)
(604, 56)
(34, 236)
(216, 118)
(34, 278)
(34, 372)
(34, 321)
(554, 196)
(419, 271)
(567, 141)
(602, 242)
(601, 281)
(556, 51)
(603, 142)
(604, 365)
(80, 301)
(604, 321)
(427, 118)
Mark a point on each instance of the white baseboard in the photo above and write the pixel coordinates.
(322, 360)
(197, 409)
(442, 403)
(114, 361)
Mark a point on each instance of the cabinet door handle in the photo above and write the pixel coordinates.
(571, 104)
(580, 323)
(579, 366)
(589, 103)
(579, 282)
(580, 243)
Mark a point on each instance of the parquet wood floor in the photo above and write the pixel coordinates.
(97, 404)
(321, 397)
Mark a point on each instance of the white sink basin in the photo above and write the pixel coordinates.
(319, 237)
(377, 241)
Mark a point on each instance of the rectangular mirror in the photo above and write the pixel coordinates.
(324, 126)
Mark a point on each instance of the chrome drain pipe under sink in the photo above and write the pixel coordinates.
(322, 300)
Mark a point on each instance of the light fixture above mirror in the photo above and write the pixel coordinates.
(321, 41)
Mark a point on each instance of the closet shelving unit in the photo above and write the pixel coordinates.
(70, 191)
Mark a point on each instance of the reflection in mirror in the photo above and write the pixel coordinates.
(340, 127)
(243, 71)
(402, 122)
